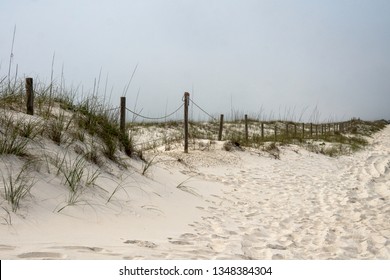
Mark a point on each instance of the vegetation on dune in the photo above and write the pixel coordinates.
(334, 141)
(16, 183)
(90, 130)
(89, 127)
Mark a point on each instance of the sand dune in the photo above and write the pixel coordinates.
(214, 204)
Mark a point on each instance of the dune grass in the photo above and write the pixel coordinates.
(61, 116)
(16, 133)
(76, 176)
(61, 120)
(16, 185)
(10, 140)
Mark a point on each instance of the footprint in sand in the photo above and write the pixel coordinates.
(276, 247)
(256, 213)
(188, 235)
(216, 236)
(140, 243)
(181, 242)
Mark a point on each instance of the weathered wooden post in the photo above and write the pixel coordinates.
(246, 128)
(262, 131)
(303, 130)
(186, 103)
(30, 96)
(220, 128)
(122, 122)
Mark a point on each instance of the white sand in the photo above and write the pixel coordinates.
(230, 205)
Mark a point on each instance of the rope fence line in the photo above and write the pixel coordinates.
(111, 109)
(163, 117)
(155, 118)
(186, 103)
(283, 129)
(279, 132)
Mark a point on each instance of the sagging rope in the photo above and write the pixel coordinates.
(158, 118)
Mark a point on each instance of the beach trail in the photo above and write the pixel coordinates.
(235, 205)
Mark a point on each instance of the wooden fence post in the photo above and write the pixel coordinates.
(262, 131)
(303, 130)
(30, 96)
(220, 128)
(246, 128)
(122, 123)
(186, 103)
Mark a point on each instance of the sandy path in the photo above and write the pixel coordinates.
(303, 206)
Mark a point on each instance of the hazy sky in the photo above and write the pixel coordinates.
(275, 58)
